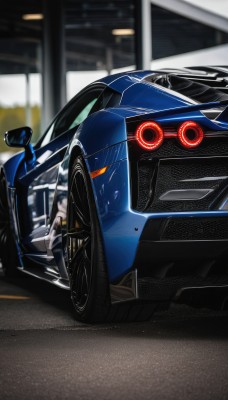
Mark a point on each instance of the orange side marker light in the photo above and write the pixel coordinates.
(98, 172)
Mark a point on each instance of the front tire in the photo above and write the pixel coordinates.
(8, 252)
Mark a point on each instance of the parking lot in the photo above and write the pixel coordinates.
(45, 353)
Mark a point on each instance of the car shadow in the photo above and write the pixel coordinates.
(179, 322)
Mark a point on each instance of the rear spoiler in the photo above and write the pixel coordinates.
(185, 109)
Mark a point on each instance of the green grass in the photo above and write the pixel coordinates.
(14, 117)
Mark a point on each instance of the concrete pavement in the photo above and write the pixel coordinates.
(45, 353)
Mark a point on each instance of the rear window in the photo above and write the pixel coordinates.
(199, 88)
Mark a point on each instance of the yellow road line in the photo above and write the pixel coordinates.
(12, 297)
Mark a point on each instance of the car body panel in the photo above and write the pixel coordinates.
(38, 194)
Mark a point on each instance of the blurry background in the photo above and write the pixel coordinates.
(49, 50)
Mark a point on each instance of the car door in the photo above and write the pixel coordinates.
(37, 185)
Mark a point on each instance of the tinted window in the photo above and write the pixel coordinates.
(73, 114)
(92, 100)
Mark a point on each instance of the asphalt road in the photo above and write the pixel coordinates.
(46, 354)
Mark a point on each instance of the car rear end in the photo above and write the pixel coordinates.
(179, 180)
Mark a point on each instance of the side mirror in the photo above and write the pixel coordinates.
(19, 137)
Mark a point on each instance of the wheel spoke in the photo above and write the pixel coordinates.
(78, 208)
(87, 251)
(75, 259)
(80, 253)
(80, 199)
(81, 278)
(79, 215)
(79, 233)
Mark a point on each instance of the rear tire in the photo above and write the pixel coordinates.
(86, 262)
(86, 265)
(8, 252)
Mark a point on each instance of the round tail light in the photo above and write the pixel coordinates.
(149, 135)
(190, 134)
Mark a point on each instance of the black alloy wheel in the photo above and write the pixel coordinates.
(8, 253)
(87, 272)
(86, 262)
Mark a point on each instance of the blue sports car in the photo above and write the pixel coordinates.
(124, 199)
